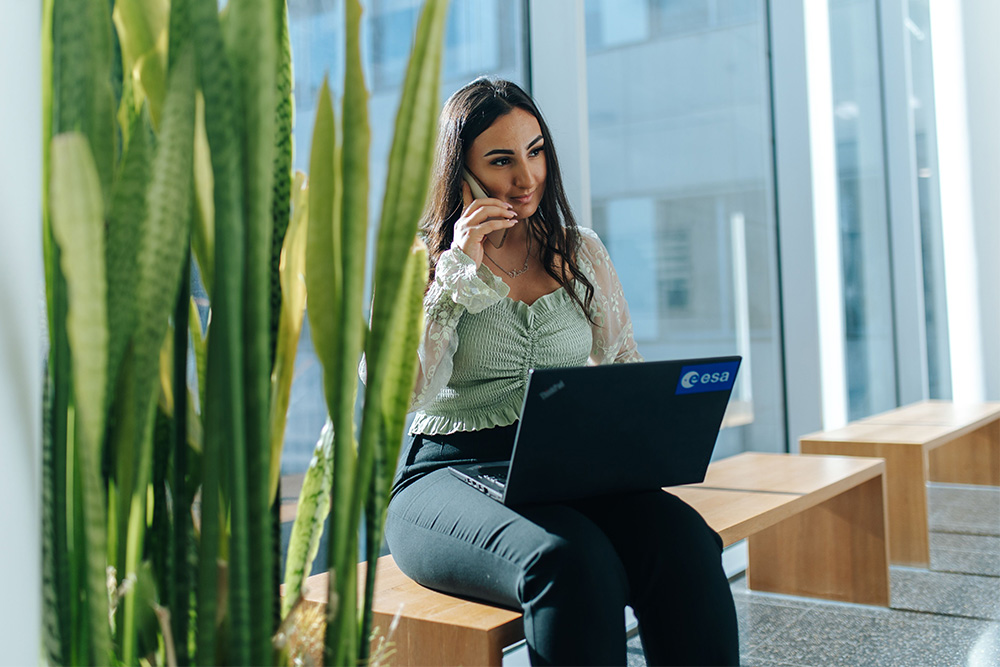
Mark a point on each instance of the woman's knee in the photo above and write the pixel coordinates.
(573, 570)
(672, 522)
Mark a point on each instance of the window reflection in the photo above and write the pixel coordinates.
(682, 187)
(864, 225)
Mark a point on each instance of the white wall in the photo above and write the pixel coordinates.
(20, 330)
(982, 58)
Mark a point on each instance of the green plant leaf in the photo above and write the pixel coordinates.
(350, 253)
(284, 117)
(93, 552)
(407, 325)
(161, 259)
(203, 230)
(254, 48)
(177, 577)
(223, 416)
(200, 348)
(293, 304)
(312, 510)
(402, 361)
(167, 226)
(323, 274)
(56, 590)
(142, 29)
(78, 226)
(125, 228)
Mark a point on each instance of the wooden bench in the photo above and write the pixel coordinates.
(927, 441)
(816, 526)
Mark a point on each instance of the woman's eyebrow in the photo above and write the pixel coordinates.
(507, 151)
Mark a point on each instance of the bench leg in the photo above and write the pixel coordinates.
(416, 642)
(972, 459)
(906, 487)
(836, 550)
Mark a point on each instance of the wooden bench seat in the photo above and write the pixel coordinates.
(972, 455)
(815, 527)
(926, 441)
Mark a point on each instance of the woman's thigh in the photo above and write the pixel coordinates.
(450, 537)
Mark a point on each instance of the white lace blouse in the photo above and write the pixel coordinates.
(479, 344)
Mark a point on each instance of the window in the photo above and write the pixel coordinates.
(681, 180)
(861, 187)
(925, 139)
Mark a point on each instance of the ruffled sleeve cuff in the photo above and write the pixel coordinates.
(460, 286)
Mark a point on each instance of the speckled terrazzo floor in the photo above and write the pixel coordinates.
(948, 615)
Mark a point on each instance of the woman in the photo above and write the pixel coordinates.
(516, 285)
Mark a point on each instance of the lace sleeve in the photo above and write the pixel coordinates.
(458, 287)
(612, 328)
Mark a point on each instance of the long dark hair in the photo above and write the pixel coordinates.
(466, 115)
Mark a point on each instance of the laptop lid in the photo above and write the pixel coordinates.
(597, 430)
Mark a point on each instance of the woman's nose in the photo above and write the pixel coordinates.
(524, 177)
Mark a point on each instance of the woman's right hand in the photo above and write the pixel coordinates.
(479, 218)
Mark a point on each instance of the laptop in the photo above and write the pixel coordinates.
(599, 430)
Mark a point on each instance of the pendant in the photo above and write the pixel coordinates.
(515, 274)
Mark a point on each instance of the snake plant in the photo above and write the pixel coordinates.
(168, 154)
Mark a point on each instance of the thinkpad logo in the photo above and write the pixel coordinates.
(553, 389)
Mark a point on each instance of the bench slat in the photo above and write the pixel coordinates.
(927, 436)
(735, 515)
(940, 412)
(781, 473)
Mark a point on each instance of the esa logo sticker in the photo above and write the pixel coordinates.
(707, 377)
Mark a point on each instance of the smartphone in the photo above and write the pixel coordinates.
(479, 192)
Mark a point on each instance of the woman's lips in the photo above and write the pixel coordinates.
(523, 199)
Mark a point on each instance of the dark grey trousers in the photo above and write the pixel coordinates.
(571, 568)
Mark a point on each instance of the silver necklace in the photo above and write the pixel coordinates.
(516, 272)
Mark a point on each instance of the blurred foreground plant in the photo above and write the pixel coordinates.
(168, 149)
(168, 136)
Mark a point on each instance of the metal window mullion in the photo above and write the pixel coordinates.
(904, 209)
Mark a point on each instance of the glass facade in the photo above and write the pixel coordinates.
(682, 189)
(864, 221)
(681, 177)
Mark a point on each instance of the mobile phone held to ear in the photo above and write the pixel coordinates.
(479, 192)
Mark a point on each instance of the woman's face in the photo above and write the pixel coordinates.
(508, 158)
